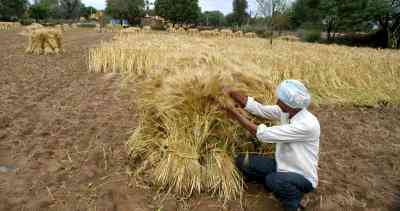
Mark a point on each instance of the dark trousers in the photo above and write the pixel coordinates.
(287, 187)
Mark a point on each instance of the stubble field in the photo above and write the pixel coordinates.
(65, 130)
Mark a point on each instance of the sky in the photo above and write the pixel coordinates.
(224, 6)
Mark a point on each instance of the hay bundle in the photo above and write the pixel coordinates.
(226, 33)
(131, 30)
(45, 41)
(250, 35)
(181, 30)
(193, 32)
(66, 27)
(191, 147)
(238, 34)
(171, 29)
(289, 38)
(147, 28)
(210, 33)
(31, 28)
(6, 26)
(206, 33)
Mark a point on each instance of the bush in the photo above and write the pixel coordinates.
(87, 24)
(26, 21)
(311, 35)
(260, 30)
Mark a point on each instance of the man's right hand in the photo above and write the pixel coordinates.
(226, 90)
(236, 96)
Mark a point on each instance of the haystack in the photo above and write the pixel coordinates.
(131, 30)
(6, 26)
(45, 41)
(250, 35)
(30, 29)
(226, 33)
(193, 31)
(289, 38)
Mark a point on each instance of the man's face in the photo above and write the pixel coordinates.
(283, 106)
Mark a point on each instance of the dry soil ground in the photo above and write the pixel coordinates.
(64, 130)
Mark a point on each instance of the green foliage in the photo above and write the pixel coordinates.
(303, 11)
(52, 7)
(86, 12)
(213, 18)
(69, 9)
(87, 24)
(178, 11)
(239, 15)
(12, 9)
(39, 11)
(311, 35)
(26, 21)
(125, 9)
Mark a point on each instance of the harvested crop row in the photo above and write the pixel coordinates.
(6, 26)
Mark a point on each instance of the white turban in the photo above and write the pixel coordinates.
(294, 94)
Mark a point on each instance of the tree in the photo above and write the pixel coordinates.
(52, 7)
(12, 9)
(352, 16)
(213, 18)
(305, 12)
(70, 9)
(277, 10)
(239, 11)
(125, 9)
(264, 8)
(178, 11)
(39, 12)
(86, 12)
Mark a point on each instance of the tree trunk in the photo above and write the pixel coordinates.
(381, 38)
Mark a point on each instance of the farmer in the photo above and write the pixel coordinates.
(293, 172)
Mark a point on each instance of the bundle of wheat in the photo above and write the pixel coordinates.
(6, 26)
(31, 28)
(60, 27)
(250, 35)
(133, 30)
(181, 30)
(193, 31)
(66, 27)
(226, 33)
(289, 38)
(171, 30)
(238, 34)
(45, 41)
(147, 28)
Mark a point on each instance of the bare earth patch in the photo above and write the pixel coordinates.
(64, 130)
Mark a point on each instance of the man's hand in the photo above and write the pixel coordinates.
(247, 124)
(226, 90)
(233, 114)
(236, 96)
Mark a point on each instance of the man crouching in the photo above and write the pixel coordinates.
(293, 172)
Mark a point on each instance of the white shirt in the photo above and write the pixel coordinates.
(297, 143)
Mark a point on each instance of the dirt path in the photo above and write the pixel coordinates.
(64, 130)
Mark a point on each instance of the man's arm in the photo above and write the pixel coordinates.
(252, 106)
(247, 124)
(236, 96)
